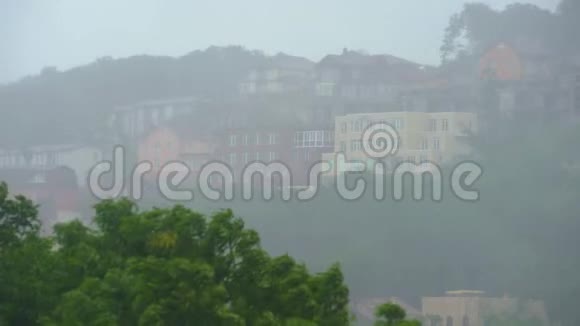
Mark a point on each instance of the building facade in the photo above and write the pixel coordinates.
(165, 145)
(297, 149)
(472, 308)
(80, 159)
(422, 137)
(281, 74)
(136, 120)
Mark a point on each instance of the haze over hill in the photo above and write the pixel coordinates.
(66, 33)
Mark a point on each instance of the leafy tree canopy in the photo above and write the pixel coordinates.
(158, 267)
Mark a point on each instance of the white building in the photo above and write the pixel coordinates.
(80, 159)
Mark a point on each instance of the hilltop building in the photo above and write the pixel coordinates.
(436, 137)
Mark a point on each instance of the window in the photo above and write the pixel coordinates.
(425, 144)
(272, 156)
(444, 125)
(325, 89)
(257, 138)
(232, 158)
(257, 156)
(436, 144)
(298, 139)
(343, 146)
(272, 139)
(246, 157)
(355, 145)
(343, 127)
(357, 125)
(399, 123)
(432, 125)
(246, 140)
(309, 139)
(233, 140)
(317, 138)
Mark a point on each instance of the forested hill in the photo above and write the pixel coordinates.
(55, 106)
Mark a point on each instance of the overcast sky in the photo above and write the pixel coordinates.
(66, 33)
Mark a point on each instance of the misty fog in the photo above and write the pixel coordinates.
(458, 122)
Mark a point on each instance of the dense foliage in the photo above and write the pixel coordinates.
(160, 267)
(479, 27)
(391, 314)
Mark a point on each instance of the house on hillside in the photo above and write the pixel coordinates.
(530, 81)
(297, 148)
(280, 74)
(80, 159)
(135, 120)
(273, 130)
(437, 137)
(356, 76)
(175, 143)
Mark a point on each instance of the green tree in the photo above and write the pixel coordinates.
(26, 262)
(159, 267)
(18, 218)
(391, 314)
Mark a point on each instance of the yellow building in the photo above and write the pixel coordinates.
(437, 137)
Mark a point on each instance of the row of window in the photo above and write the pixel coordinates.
(245, 158)
(433, 124)
(390, 163)
(257, 139)
(356, 145)
(302, 139)
(35, 160)
(362, 124)
(425, 144)
(317, 138)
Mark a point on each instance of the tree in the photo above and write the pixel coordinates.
(159, 267)
(478, 27)
(568, 25)
(18, 218)
(391, 314)
(25, 261)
